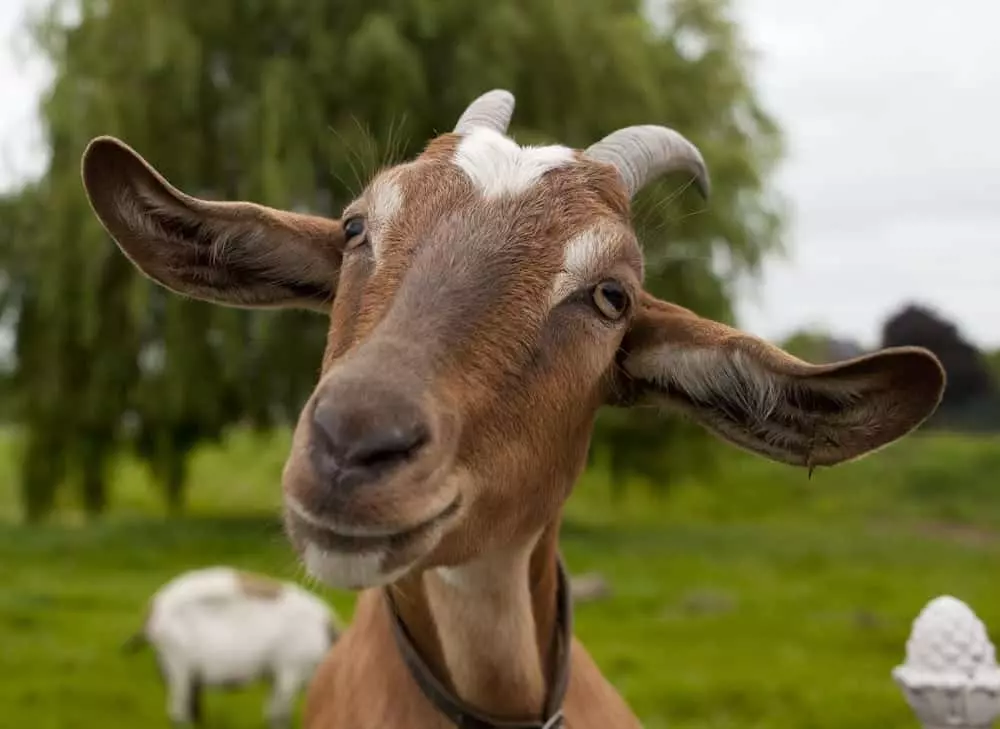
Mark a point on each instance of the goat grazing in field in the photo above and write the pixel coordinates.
(484, 299)
(222, 627)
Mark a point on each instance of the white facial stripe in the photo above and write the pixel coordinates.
(584, 257)
(499, 166)
(385, 200)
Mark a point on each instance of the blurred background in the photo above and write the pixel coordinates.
(853, 153)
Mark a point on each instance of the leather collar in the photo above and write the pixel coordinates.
(466, 717)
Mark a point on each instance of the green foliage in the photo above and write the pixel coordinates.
(810, 346)
(641, 447)
(281, 102)
(758, 598)
(993, 361)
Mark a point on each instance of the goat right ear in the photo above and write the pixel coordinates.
(232, 253)
(761, 398)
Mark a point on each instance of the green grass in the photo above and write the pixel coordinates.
(755, 598)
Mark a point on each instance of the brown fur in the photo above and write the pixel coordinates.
(446, 313)
(341, 693)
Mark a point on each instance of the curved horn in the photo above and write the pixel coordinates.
(643, 153)
(492, 110)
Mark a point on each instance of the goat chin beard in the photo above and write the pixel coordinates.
(357, 563)
(352, 570)
(339, 559)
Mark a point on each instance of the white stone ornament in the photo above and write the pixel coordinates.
(950, 677)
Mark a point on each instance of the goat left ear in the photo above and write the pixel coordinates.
(761, 398)
(232, 253)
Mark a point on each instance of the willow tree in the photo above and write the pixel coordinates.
(292, 103)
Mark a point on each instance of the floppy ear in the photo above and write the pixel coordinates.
(761, 398)
(232, 253)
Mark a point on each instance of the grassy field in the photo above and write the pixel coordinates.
(756, 598)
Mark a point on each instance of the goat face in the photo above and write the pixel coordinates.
(485, 299)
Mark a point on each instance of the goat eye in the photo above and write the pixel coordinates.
(611, 299)
(355, 231)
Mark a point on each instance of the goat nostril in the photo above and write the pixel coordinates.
(386, 447)
(360, 442)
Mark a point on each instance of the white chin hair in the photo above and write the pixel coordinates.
(347, 571)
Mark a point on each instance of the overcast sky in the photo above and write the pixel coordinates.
(891, 110)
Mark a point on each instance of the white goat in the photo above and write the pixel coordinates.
(222, 627)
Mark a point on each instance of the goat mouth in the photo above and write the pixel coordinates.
(346, 539)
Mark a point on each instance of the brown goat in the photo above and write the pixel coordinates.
(485, 300)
